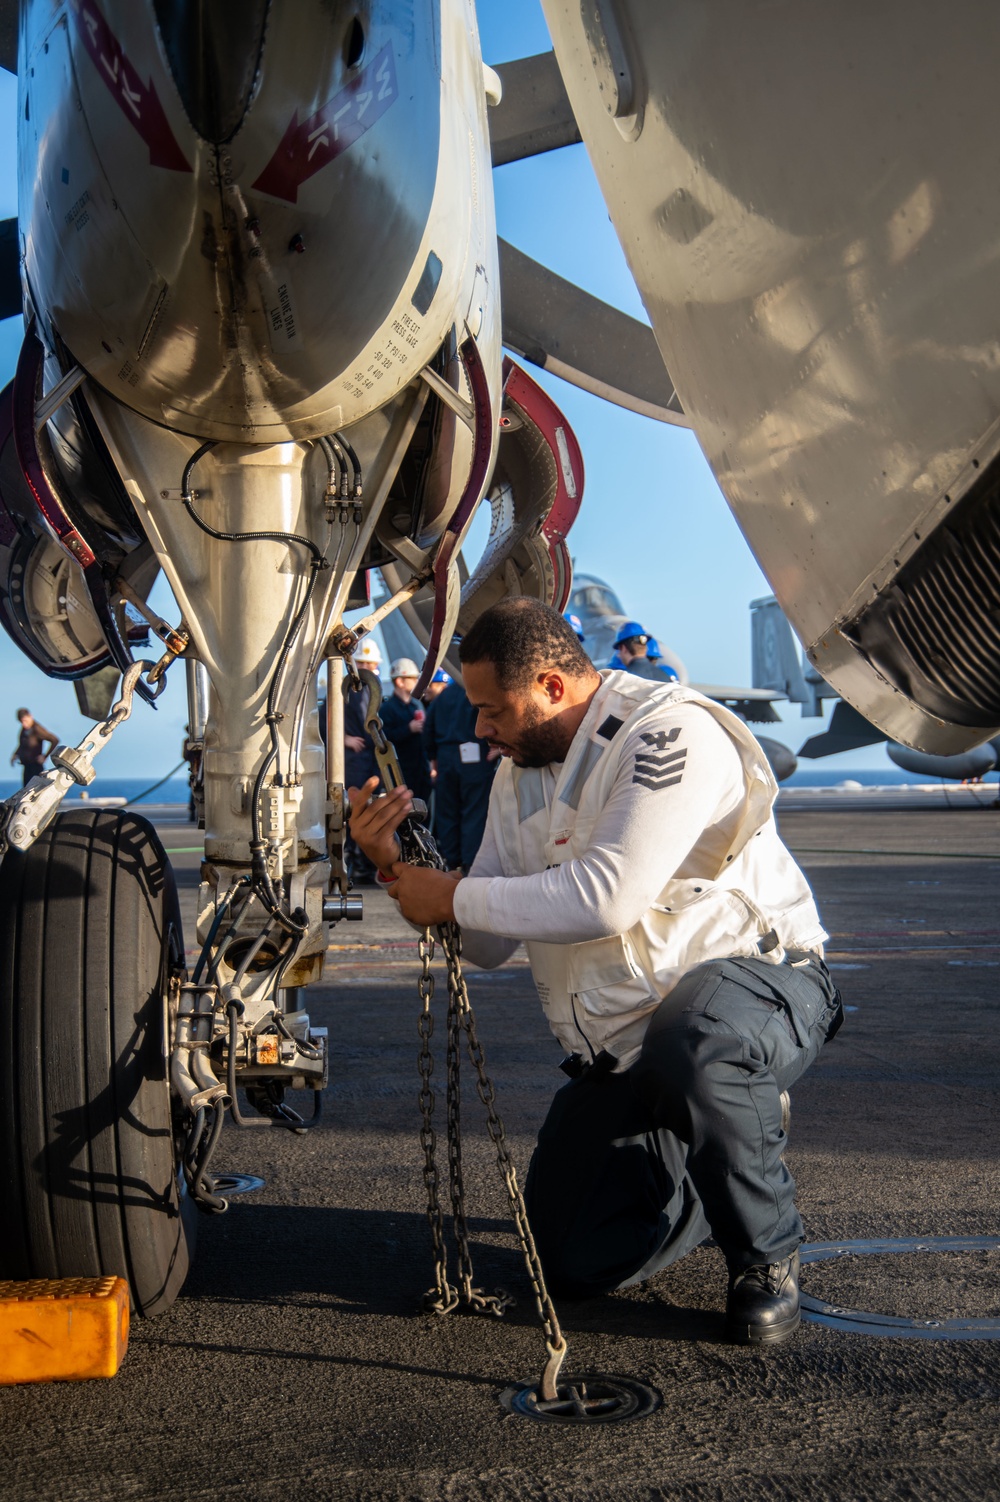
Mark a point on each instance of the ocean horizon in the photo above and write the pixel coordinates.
(175, 789)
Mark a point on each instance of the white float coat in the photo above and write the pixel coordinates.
(651, 849)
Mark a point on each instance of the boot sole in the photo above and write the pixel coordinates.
(764, 1335)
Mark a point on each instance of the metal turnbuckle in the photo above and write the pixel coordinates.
(27, 813)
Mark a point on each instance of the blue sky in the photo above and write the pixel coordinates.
(654, 523)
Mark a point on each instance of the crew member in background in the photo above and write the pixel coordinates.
(655, 656)
(31, 749)
(632, 647)
(359, 755)
(464, 770)
(576, 625)
(403, 719)
(676, 949)
(437, 685)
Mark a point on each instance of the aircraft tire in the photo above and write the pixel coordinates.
(89, 934)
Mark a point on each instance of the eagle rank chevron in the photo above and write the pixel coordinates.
(659, 767)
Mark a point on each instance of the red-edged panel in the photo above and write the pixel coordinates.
(27, 382)
(8, 526)
(525, 394)
(19, 534)
(482, 449)
(29, 445)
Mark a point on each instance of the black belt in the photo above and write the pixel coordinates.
(578, 1068)
(770, 942)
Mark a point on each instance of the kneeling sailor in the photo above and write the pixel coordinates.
(676, 950)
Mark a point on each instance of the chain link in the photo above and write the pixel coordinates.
(418, 847)
(555, 1342)
(443, 1298)
(483, 1303)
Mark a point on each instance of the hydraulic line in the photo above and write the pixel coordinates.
(192, 1143)
(345, 484)
(220, 914)
(227, 939)
(277, 680)
(295, 739)
(335, 475)
(201, 1143)
(358, 478)
(202, 1185)
(337, 444)
(187, 498)
(305, 1049)
(252, 952)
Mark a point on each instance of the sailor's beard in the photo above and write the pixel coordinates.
(542, 740)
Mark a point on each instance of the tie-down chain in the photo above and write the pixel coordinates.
(418, 847)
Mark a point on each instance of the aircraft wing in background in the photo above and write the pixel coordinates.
(565, 330)
(534, 113)
(751, 704)
(776, 664)
(822, 272)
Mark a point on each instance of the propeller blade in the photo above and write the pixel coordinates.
(848, 729)
(561, 328)
(10, 270)
(534, 114)
(8, 35)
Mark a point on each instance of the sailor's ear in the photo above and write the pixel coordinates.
(552, 685)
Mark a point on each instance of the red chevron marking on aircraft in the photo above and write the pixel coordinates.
(138, 102)
(344, 119)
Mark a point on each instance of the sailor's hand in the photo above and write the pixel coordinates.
(426, 897)
(374, 821)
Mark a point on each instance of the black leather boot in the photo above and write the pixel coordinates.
(763, 1303)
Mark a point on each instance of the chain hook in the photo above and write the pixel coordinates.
(122, 708)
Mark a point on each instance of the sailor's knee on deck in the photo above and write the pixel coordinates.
(577, 1266)
(594, 1210)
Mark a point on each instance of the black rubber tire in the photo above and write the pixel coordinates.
(89, 932)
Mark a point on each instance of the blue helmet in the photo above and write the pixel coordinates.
(653, 654)
(575, 624)
(630, 630)
(440, 677)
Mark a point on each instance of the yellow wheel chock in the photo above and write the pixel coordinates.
(62, 1329)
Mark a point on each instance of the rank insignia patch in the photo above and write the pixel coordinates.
(660, 768)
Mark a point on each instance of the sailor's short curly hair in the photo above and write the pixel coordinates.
(521, 638)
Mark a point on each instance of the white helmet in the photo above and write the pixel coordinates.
(368, 654)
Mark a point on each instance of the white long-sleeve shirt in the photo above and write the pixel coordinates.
(650, 849)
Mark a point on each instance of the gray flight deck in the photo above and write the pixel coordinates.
(296, 1363)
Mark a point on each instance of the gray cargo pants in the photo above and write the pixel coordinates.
(633, 1170)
